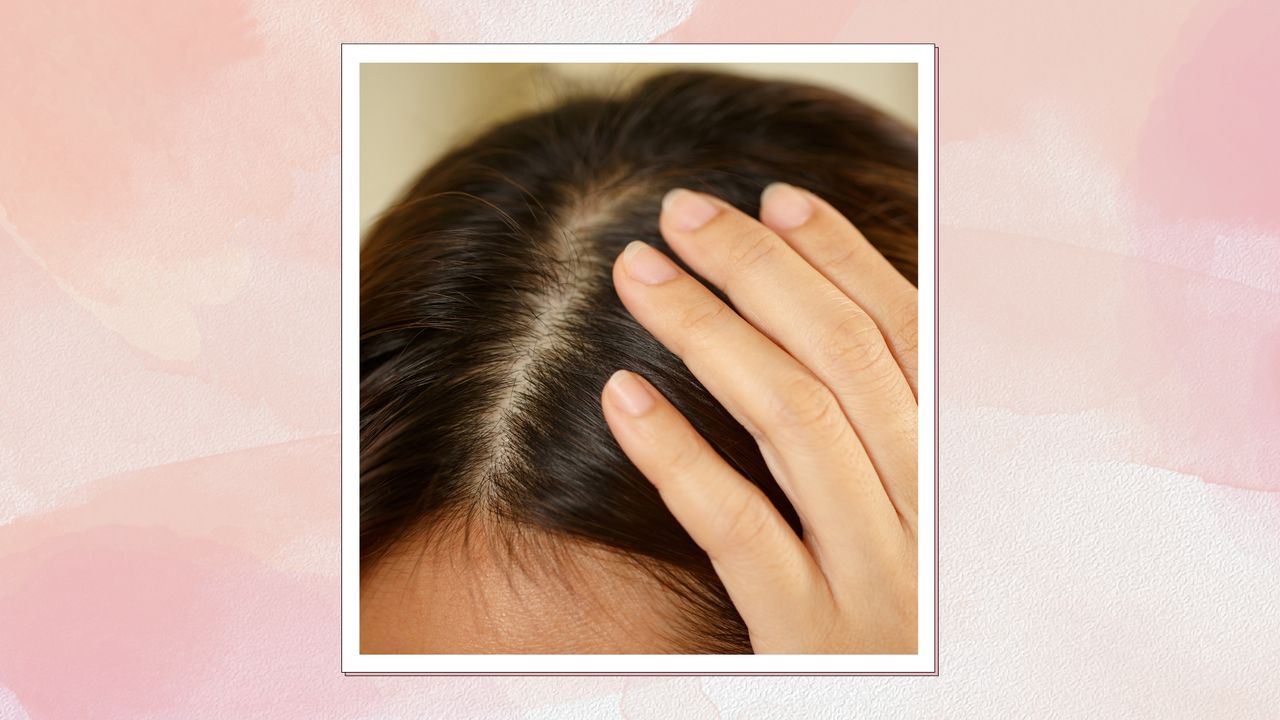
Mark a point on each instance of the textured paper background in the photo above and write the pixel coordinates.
(1110, 334)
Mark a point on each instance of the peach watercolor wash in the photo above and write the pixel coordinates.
(1110, 335)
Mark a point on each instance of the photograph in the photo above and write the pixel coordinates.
(638, 372)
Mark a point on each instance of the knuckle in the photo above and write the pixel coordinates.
(743, 520)
(907, 321)
(845, 256)
(805, 404)
(854, 344)
(753, 249)
(703, 318)
(684, 454)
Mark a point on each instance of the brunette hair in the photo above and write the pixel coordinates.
(489, 323)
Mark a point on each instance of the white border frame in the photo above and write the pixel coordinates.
(923, 663)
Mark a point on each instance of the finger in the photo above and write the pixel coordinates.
(836, 248)
(765, 568)
(811, 449)
(779, 292)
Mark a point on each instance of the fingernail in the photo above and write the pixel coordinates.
(646, 265)
(783, 207)
(687, 210)
(630, 393)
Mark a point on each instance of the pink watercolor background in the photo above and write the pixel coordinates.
(1110, 330)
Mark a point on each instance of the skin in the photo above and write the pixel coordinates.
(475, 591)
(817, 359)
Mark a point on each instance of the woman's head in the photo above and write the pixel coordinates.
(496, 508)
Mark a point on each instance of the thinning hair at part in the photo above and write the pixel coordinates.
(489, 323)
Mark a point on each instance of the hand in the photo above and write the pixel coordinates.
(818, 363)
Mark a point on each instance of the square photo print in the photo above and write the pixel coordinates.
(639, 367)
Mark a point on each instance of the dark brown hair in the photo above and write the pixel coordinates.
(489, 323)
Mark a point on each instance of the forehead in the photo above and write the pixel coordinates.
(474, 593)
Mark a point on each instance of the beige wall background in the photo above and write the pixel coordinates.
(411, 113)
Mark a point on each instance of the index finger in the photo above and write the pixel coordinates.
(765, 568)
